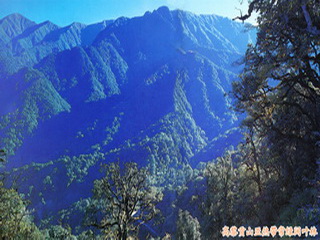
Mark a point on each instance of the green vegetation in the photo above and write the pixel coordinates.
(188, 228)
(38, 101)
(271, 178)
(15, 220)
(113, 129)
(77, 166)
(125, 200)
(279, 91)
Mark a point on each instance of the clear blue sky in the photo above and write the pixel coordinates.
(64, 12)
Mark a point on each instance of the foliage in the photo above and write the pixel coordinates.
(38, 101)
(124, 200)
(77, 166)
(58, 232)
(15, 219)
(279, 91)
(188, 228)
(271, 178)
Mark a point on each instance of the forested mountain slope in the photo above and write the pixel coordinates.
(150, 89)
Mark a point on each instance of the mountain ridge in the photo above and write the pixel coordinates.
(123, 56)
(13, 25)
(152, 89)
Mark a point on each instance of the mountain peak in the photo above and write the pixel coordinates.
(48, 23)
(163, 9)
(77, 25)
(14, 17)
(13, 25)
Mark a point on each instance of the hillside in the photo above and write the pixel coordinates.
(150, 89)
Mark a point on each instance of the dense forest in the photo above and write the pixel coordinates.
(202, 177)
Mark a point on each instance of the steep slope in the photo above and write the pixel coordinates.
(31, 37)
(26, 43)
(85, 74)
(150, 89)
(176, 31)
(33, 99)
(13, 25)
(110, 68)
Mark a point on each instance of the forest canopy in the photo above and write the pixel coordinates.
(279, 92)
(271, 178)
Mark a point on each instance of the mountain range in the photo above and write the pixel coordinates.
(151, 89)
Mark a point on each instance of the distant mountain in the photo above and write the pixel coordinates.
(150, 89)
(12, 26)
(26, 43)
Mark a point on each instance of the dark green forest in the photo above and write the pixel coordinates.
(270, 178)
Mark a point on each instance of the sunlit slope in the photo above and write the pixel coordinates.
(150, 89)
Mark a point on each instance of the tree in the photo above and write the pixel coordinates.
(225, 190)
(15, 219)
(126, 200)
(280, 92)
(220, 175)
(188, 228)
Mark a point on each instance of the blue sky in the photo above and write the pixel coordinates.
(64, 12)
